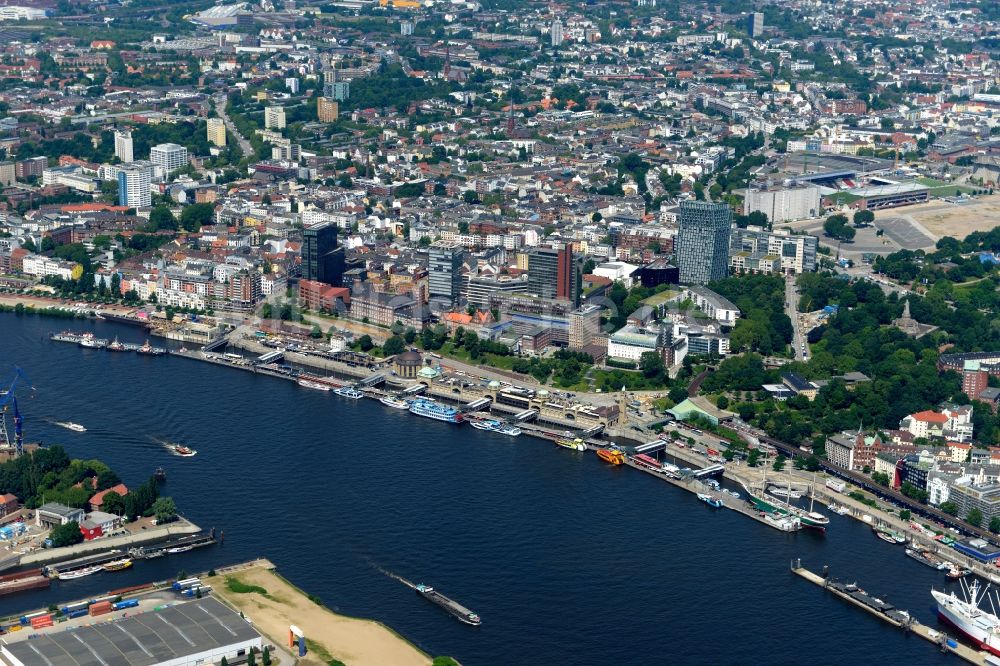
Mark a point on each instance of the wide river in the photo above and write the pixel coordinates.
(567, 560)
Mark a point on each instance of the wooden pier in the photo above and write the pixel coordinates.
(938, 638)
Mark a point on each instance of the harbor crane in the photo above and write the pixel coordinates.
(8, 403)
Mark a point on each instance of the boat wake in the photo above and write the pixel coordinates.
(392, 575)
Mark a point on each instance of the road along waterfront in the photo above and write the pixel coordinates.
(546, 544)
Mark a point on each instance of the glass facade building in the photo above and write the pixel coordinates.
(702, 248)
(321, 259)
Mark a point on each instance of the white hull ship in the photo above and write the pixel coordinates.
(965, 615)
(395, 403)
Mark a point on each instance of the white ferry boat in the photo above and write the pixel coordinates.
(306, 383)
(395, 403)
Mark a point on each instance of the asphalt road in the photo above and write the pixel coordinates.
(792, 310)
(220, 108)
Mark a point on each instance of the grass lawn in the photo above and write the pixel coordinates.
(841, 198)
(932, 182)
(949, 190)
(942, 188)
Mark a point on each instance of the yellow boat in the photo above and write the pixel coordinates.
(613, 456)
(575, 444)
(118, 565)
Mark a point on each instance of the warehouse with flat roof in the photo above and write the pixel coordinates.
(202, 631)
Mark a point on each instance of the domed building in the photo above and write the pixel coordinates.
(407, 364)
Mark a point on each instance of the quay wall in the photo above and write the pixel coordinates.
(159, 533)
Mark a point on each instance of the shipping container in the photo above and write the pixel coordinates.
(128, 603)
(69, 608)
(186, 583)
(26, 619)
(195, 590)
(40, 621)
(79, 612)
(100, 608)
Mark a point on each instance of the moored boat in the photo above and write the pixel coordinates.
(89, 341)
(576, 444)
(146, 348)
(160, 474)
(956, 572)
(965, 615)
(709, 500)
(492, 425)
(116, 345)
(435, 410)
(118, 565)
(306, 383)
(784, 493)
(612, 456)
(782, 523)
(348, 392)
(810, 519)
(395, 403)
(927, 558)
(66, 336)
(80, 573)
(885, 535)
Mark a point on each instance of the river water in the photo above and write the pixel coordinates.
(566, 559)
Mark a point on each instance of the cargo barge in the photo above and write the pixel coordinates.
(455, 609)
(23, 580)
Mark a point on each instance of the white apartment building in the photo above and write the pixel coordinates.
(630, 342)
(715, 306)
(124, 145)
(274, 117)
(782, 204)
(39, 266)
(168, 156)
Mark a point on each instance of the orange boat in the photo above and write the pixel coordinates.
(613, 456)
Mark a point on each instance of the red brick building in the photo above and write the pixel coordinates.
(317, 296)
(97, 500)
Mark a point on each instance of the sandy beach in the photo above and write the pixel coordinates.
(353, 641)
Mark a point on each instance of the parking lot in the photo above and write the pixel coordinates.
(904, 233)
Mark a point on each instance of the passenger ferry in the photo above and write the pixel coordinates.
(493, 425)
(348, 392)
(88, 340)
(713, 502)
(435, 410)
(574, 444)
(306, 383)
(395, 403)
